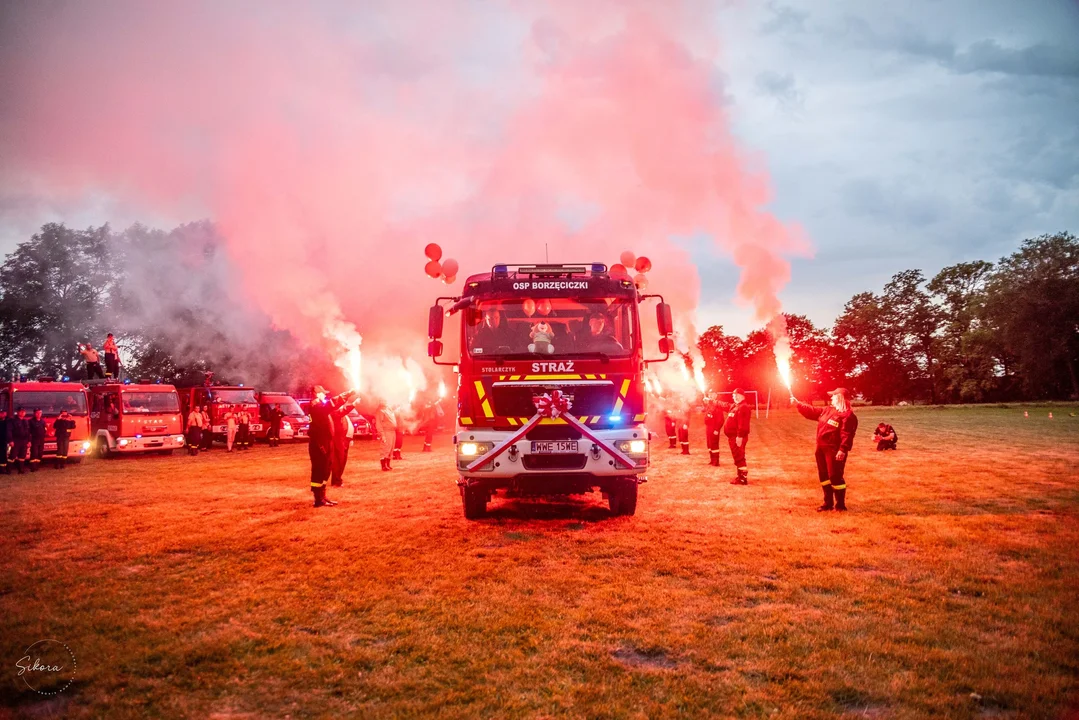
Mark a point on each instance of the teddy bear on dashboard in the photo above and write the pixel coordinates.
(542, 334)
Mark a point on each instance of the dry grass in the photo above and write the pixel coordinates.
(209, 587)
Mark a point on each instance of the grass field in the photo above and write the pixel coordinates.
(209, 587)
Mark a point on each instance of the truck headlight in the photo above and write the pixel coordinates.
(122, 442)
(635, 447)
(180, 439)
(85, 445)
(469, 449)
(286, 425)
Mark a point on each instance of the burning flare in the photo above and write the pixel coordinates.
(441, 389)
(778, 328)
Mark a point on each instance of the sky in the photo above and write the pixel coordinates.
(895, 135)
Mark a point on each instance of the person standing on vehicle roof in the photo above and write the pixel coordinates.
(836, 426)
(5, 442)
(112, 357)
(320, 445)
(386, 424)
(93, 362)
(37, 439)
(62, 427)
(736, 428)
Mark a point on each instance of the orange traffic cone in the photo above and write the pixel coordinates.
(1026, 413)
(1050, 416)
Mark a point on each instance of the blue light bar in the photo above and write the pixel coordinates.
(598, 268)
(615, 418)
(502, 270)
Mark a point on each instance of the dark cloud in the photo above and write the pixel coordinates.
(784, 19)
(781, 86)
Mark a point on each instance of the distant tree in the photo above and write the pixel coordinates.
(52, 290)
(974, 363)
(1033, 302)
(913, 322)
(874, 348)
(723, 357)
(818, 363)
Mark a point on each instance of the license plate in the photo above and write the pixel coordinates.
(50, 446)
(555, 447)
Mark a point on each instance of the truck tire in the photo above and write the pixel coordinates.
(474, 499)
(103, 450)
(623, 498)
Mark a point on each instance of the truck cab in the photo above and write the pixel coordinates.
(132, 418)
(218, 399)
(51, 398)
(526, 332)
(295, 424)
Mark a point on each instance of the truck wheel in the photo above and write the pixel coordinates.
(103, 451)
(474, 499)
(623, 498)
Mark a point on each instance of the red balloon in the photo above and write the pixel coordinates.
(433, 252)
(450, 267)
(449, 279)
(643, 264)
(640, 281)
(618, 272)
(544, 307)
(433, 269)
(628, 258)
(529, 306)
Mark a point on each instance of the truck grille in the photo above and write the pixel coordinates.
(516, 401)
(553, 432)
(553, 462)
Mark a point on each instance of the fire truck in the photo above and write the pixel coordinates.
(51, 398)
(131, 418)
(218, 399)
(551, 396)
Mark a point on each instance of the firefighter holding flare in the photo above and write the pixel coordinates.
(836, 426)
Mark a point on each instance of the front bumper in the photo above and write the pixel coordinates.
(518, 461)
(148, 442)
(76, 448)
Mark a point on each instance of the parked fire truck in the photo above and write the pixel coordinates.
(51, 398)
(132, 418)
(218, 399)
(526, 332)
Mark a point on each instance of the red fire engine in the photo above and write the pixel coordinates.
(129, 418)
(218, 399)
(51, 398)
(551, 396)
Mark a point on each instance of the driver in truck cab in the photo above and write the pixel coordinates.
(599, 337)
(494, 334)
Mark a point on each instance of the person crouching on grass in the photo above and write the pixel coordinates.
(886, 437)
(836, 426)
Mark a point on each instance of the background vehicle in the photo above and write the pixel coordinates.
(294, 426)
(217, 399)
(51, 397)
(528, 331)
(130, 418)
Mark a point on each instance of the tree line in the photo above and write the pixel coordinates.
(975, 332)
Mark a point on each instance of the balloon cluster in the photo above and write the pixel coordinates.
(447, 269)
(630, 263)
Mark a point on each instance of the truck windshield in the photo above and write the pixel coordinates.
(287, 405)
(50, 403)
(150, 402)
(551, 327)
(235, 396)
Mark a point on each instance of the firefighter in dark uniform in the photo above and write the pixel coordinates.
(736, 428)
(63, 426)
(37, 440)
(714, 416)
(342, 439)
(683, 426)
(671, 427)
(886, 437)
(399, 435)
(5, 440)
(274, 417)
(836, 426)
(20, 440)
(320, 445)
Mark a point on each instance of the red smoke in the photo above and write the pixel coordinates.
(332, 143)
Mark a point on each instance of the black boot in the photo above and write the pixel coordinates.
(674, 443)
(827, 499)
(841, 499)
(317, 492)
(385, 464)
(396, 454)
(685, 449)
(714, 458)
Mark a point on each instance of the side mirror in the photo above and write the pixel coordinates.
(665, 345)
(435, 318)
(663, 319)
(434, 348)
